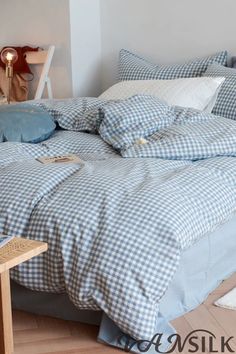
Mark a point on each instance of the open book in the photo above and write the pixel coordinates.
(71, 158)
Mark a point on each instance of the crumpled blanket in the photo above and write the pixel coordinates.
(166, 132)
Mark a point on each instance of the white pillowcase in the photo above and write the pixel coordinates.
(199, 93)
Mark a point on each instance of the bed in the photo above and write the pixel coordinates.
(187, 289)
(155, 189)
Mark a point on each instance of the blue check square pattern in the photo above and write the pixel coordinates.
(117, 227)
(134, 67)
(226, 100)
(77, 114)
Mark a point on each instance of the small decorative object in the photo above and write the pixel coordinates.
(141, 141)
(9, 56)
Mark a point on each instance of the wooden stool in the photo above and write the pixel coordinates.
(17, 251)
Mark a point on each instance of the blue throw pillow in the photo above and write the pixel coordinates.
(25, 123)
(226, 100)
(134, 67)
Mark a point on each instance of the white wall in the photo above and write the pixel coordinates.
(88, 34)
(41, 23)
(85, 47)
(73, 26)
(165, 31)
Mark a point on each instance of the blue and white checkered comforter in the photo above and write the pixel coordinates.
(116, 227)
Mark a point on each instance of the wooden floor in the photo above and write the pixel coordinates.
(37, 334)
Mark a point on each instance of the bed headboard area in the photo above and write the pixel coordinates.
(165, 32)
(88, 35)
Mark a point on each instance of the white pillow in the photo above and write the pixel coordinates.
(199, 93)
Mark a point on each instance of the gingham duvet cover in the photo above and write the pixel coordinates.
(116, 227)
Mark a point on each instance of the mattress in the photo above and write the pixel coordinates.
(192, 283)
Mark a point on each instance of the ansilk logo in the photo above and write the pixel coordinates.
(198, 341)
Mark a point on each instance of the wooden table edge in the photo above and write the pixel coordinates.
(27, 249)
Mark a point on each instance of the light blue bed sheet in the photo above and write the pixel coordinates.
(203, 267)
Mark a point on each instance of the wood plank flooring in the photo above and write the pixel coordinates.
(43, 335)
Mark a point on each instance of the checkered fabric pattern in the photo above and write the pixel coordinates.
(134, 67)
(78, 114)
(124, 122)
(88, 146)
(226, 99)
(166, 132)
(143, 126)
(116, 227)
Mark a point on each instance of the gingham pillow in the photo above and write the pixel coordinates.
(226, 101)
(130, 121)
(134, 67)
(78, 114)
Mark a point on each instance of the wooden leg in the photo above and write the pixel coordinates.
(6, 333)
